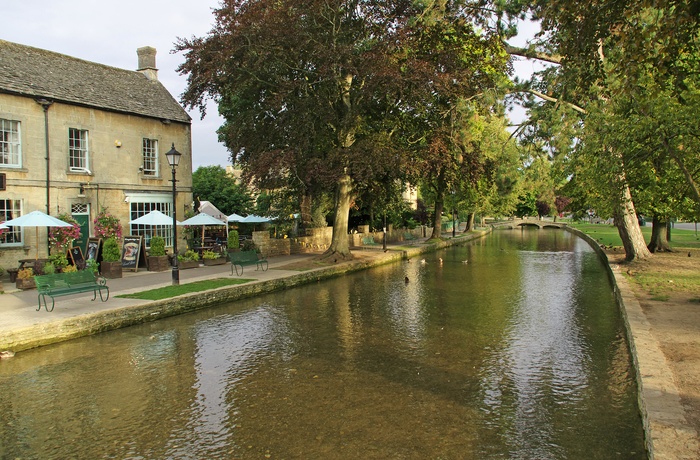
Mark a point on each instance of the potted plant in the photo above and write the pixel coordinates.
(213, 258)
(157, 259)
(107, 226)
(59, 261)
(25, 279)
(111, 265)
(233, 242)
(190, 259)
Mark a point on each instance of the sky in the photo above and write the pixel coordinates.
(109, 32)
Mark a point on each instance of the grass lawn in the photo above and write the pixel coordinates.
(607, 235)
(173, 291)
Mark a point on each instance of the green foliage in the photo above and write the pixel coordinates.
(91, 265)
(212, 183)
(189, 255)
(233, 241)
(249, 245)
(58, 260)
(110, 250)
(49, 269)
(157, 246)
(210, 255)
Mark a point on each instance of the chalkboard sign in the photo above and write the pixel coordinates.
(133, 253)
(93, 249)
(75, 256)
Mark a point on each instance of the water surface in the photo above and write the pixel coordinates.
(517, 353)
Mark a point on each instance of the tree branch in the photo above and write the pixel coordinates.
(532, 54)
(553, 99)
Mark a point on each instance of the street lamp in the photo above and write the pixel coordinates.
(453, 213)
(173, 157)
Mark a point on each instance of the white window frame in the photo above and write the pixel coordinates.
(141, 204)
(149, 149)
(17, 232)
(78, 149)
(10, 143)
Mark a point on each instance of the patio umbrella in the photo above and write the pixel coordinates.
(253, 219)
(235, 218)
(202, 219)
(36, 219)
(3, 227)
(153, 218)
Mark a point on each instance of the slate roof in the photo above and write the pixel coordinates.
(38, 73)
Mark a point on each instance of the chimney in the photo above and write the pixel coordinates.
(147, 62)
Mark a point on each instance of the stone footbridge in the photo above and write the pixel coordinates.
(520, 223)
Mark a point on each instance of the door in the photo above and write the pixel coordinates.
(81, 214)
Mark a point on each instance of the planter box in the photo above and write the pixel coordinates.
(219, 261)
(25, 283)
(158, 263)
(111, 269)
(185, 264)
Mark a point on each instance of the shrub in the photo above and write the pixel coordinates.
(210, 255)
(70, 269)
(25, 274)
(107, 226)
(49, 268)
(61, 237)
(157, 246)
(58, 260)
(2, 271)
(90, 265)
(110, 250)
(233, 241)
(249, 245)
(188, 255)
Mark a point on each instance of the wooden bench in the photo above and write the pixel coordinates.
(369, 241)
(59, 284)
(243, 258)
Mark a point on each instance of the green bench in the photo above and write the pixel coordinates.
(243, 258)
(59, 284)
(369, 241)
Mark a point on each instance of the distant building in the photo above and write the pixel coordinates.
(77, 136)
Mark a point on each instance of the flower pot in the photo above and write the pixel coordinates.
(219, 261)
(13, 274)
(25, 283)
(158, 263)
(111, 269)
(185, 264)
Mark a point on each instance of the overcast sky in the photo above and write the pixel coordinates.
(109, 32)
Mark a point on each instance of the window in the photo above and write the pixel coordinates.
(10, 209)
(150, 157)
(10, 146)
(78, 149)
(141, 204)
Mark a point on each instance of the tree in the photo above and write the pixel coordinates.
(212, 183)
(316, 93)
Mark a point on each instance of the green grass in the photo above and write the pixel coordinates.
(173, 291)
(608, 236)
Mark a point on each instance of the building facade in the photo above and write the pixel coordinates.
(77, 137)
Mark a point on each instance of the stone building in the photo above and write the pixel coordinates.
(78, 136)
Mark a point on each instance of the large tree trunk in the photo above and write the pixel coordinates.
(470, 223)
(437, 218)
(659, 236)
(628, 228)
(340, 248)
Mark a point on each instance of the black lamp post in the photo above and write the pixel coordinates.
(453, 213)
(173, 157)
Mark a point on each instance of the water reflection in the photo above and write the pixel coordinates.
(517, 354)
